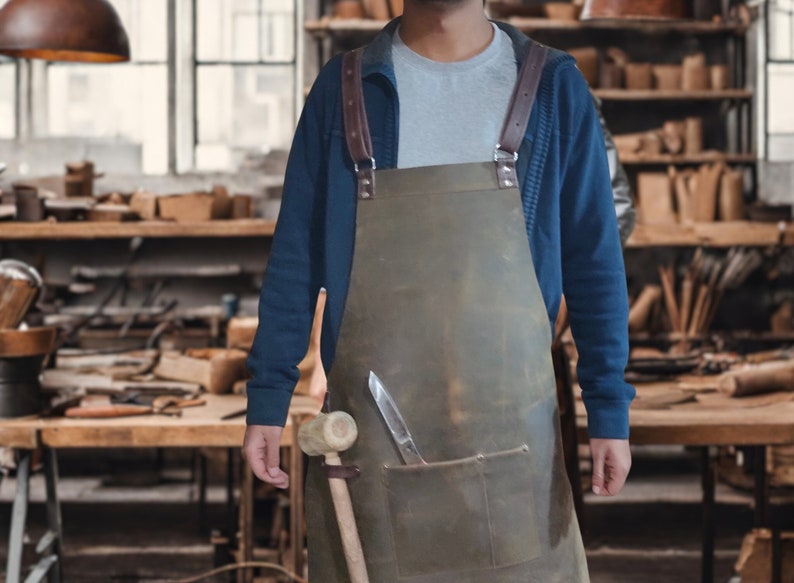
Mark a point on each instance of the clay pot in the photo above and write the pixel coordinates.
(695, 74)
(562, 10)
(667, 77)
(639, 76)
(587, 61)
(639, 9)
(348, 9)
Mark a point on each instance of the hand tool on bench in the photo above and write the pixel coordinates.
(133, 405)
(394, 421)
(328, 435)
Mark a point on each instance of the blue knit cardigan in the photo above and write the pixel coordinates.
(570, 218)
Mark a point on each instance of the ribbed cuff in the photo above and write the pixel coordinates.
(267, 406)
(608, 419)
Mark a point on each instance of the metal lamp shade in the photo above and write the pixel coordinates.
(63, 30)
(636, 9)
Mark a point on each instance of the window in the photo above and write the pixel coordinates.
(245, 65)
(780, 80)
(8, 99)
(221, 94)
(127, 102)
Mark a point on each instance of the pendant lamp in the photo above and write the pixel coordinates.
(636, 9)
(63, 30)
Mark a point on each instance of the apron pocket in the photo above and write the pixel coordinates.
(469, 514)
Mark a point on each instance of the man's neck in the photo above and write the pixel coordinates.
(445, 33)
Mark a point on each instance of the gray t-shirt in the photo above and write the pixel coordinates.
(452, 113)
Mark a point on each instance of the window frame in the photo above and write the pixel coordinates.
(182, 64)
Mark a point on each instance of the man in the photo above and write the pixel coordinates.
(442, 297)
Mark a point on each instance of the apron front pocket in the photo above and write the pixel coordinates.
(475, 513)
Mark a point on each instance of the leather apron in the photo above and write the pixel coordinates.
(444, 306)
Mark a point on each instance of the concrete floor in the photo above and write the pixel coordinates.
(122, 533)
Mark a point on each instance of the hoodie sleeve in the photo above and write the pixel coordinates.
(594, 280)
(292, 278)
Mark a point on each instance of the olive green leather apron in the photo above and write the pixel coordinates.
(444, 306)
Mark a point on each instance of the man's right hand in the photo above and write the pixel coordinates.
(262, 450)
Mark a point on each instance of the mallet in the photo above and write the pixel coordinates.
(327, 435)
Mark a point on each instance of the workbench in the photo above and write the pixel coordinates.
(198, 427)
(702, 426)
(687, 424)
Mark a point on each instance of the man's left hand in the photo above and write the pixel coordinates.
(611, 464)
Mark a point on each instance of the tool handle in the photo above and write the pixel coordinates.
(354, 555)
(107, 411)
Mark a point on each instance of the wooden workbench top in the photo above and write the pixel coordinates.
(697, 423)
(197, 427)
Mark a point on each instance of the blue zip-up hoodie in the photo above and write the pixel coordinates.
(570, 217)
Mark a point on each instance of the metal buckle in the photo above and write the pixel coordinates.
(506, 168)
(497, 158)
(372, 165)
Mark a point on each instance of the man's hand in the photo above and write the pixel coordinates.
(262, 450)
(611, 464)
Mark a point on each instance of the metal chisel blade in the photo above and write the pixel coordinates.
(394, 421)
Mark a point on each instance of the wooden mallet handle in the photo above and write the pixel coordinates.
(327, 435)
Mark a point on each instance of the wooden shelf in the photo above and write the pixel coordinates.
(79, 230)
(719, 234)
(367, 25)
(681, 160)
(659, 95)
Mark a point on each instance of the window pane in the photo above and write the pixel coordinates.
(245, 31)
(127, 102)
(781, 30)
(242, 109)
(146, 22)
(7, 98)
(781, 88)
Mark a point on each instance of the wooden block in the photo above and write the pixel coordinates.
(707, 189)
(187, 208)
(221, 203)
(115, 213)
(782, 320)
(695, 75)
(639, 76)
(240, 333)
(216, 369)
(242, 206)
(720, 77)
(693, 136)
(731, 199)
(655, 198)
(683, 196)
(587, 61)
(145, 204)
(667, 77)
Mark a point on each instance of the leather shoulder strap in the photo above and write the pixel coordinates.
(523, 99)
(357, 135)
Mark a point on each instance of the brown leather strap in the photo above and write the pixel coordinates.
(520, 108)
(341, 472)
(359, 142)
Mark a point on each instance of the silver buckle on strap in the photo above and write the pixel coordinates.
(365, 179)
(506, 167)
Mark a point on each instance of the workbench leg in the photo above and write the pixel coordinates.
(246, 522)
(53, 515)
(762, 516)
(18, 519)
(708, 528)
